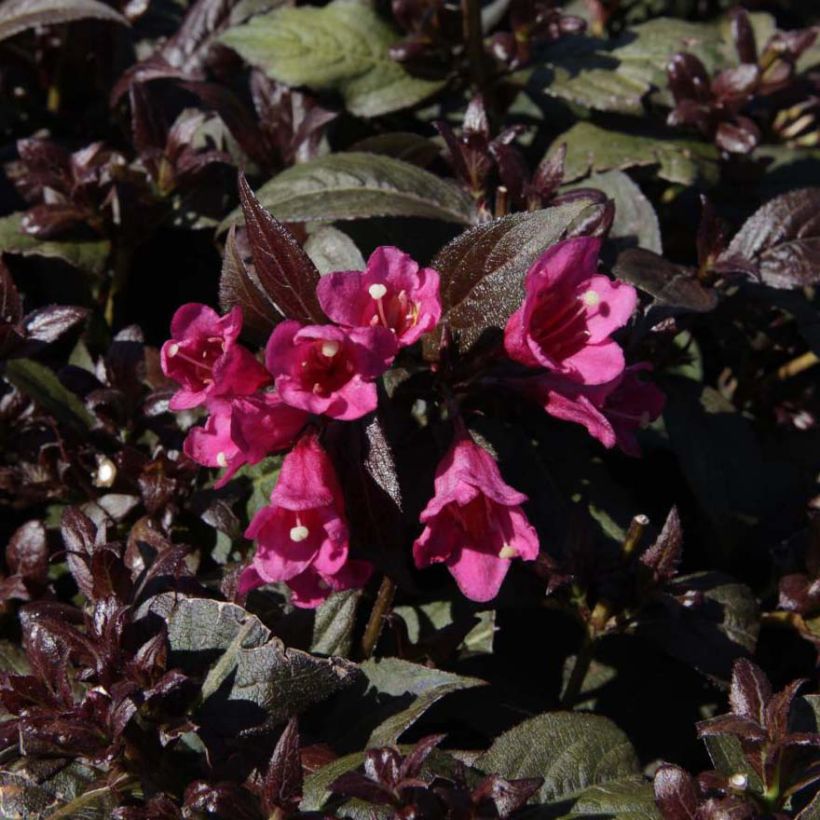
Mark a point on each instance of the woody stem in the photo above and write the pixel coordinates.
(474, 41)
(381, 606)
(579, 671)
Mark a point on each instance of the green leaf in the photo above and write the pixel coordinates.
(591, 148)
(86, 254)
(636, 222)
(482, 271)
(397, 679)
(720, 625)
(726, 754)
(334, 622)
(357, 186)
(41, 384)
(617, 78)
(572, 751)
(426, 620)
(628, 799)
(737, 485)
(19, 15)
(315, 790)
(331, 250)
(251, 680)
(342, 46)
(263, 477)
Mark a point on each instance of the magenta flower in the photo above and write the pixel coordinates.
(302, 535)
(211, 444)
(264, 424)
(204, 358)
(393, 292)
(475, 524)
(326, 370)
(243, 431)
(568, 314)
(611, 412)
(630, 404)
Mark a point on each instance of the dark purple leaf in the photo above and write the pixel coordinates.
(783, 239)
(750, 691)
(11, 308)
(676, 793)
(79, 535)
(60, 735)
(663, 557)
(282, 786)
(738, 137)
(49, 323)
(507, 796)
(745, 728)
(550, 173)
(744, 36)
(236, 117)
(688, 79)
(148, 128)
(220, 800)
(671, 285)
(354, 784)
(737, 82)
(411, 765)
(239, 285)
(111, 576)
(482, 271)
(27, 552)
(778, 710)
(711, 238)
(19, 15)
(285, 272)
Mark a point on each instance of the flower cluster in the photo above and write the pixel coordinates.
(317, 374)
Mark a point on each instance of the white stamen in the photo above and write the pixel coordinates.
(508, 552)
(106, 472)
(590, 298)
(377, 291)
(739, 781)
(299, 533)
(173, 350)
(221, 459)
(330, 349)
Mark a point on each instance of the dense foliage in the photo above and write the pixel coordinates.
(409, 409)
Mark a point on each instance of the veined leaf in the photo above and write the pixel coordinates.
(482, 271)
(342, 46)
(591, 149)
(86, 254)
(357, 186)
(42, 385)
(19, 15)
(570, 750)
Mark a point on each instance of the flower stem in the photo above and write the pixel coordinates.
(579, 672)
(474, 41)
(381, 606)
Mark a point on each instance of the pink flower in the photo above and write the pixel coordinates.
(611, 412)
(302, 536)
(474, 522)
(211, 444)
(393, 292)
(205, 359)
(326, 370)
(568, 315)
(243, 431)
(630, 404)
